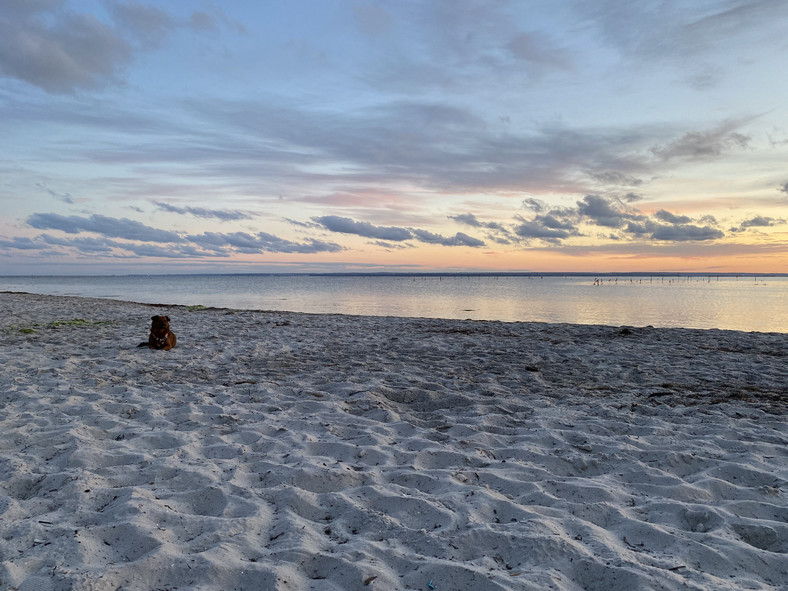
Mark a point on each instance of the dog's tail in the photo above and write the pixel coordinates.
(143, 344)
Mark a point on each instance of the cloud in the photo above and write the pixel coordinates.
(200, 212)
(664, 226)
(348, 226)
(212, 243)
(614, 177)
(697, 145)
(113, 227)
(59, 51)
(758, 222)
(468, 219)
(259, 243)
(393, 233)
(86, 245)
(64, 197)
(20, 243)
(536, 228)
(550, 221)
(685, 232)
(144, 25)
(666, 216)
(648, 228)
(459, 239)
(602, 212)
(534, 204)
(48, 45)
(471, 220)
(497, 232)
(761, 221)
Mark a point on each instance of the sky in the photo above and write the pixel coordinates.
(393, 136)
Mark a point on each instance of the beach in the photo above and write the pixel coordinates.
(290, 451)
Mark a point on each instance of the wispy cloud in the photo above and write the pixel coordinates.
(108, 226)
(556, 125)
(345, 225)
(394, 234)
(705, 144)
(459, 239)
(258, 243)
(201, 212)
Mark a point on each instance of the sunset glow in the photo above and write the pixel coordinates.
(414, 136)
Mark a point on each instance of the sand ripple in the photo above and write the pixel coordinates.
(290, 452)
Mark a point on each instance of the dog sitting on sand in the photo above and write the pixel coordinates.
(161, 337)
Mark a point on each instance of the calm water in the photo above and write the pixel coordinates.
(744, 303)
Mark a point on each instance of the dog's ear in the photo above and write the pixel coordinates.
(153, 317)
(167, 318)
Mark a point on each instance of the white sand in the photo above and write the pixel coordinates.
(284, 451)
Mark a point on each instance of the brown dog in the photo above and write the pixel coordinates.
(161, 337)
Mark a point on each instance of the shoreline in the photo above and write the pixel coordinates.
(200, 307)
(288, 450)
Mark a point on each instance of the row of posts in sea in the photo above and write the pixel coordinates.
(669, 279)
(661, 279)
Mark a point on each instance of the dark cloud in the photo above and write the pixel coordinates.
(471, 220)
(680, 232)
(348, 226)
(260, 243)
(99, 224)
(468, 219)
(496, 232)
(200, 212)
(685, 232)
(603, 212)
(459, 239)
(212, 243)
(550, 221)
(394, 234)
(758, 222)
(534, 205)
(761, 221)
(670, 218)
(536, 229)
(596, 210)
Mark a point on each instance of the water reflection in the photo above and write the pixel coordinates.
(744, 304)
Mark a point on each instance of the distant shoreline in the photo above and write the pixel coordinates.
(423, 274)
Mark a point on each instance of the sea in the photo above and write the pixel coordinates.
(731, 302)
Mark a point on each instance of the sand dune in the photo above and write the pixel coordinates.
(285, 451)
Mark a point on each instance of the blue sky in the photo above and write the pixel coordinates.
(393, 136)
